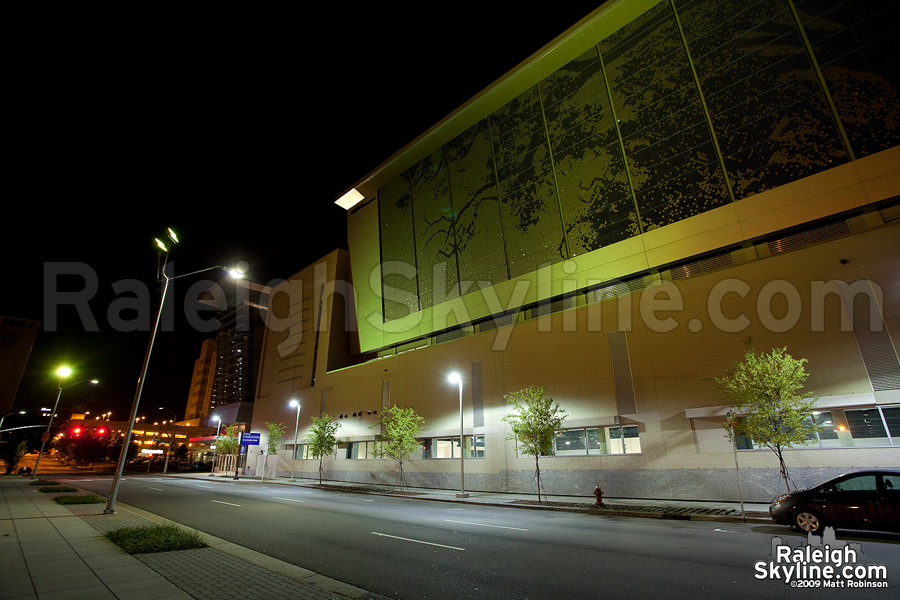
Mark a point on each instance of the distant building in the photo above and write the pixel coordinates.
(200, 397)
(224, 379)
(16, 341)
(611, 220)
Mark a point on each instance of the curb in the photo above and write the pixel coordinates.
(674, 515)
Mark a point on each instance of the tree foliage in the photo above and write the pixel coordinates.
(228, 443)
(534, 421)
(321, 438)
(13, 454)
(400, 428)
(275, 431)
(764, 391)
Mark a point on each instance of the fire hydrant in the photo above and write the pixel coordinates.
(598, 494)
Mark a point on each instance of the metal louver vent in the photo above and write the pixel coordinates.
(618, 289)
(705, 265)
(809, 238)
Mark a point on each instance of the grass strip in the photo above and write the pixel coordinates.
(52, 490)
(44, 482)
(89, 499)
(154, 538)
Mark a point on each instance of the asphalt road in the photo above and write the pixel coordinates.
(411, 549)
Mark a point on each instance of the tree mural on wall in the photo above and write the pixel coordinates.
(639, 132)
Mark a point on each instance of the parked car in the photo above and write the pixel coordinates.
(860, 500)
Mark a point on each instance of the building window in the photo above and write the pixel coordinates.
(449, 447)
(301, 451)
(368, 450)
(875, 426)
(596, 441)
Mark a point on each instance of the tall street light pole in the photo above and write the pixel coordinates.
(215, 450)
(63, 372)
(455, 378)
(171, 437)
(164, 248)
(296, 429)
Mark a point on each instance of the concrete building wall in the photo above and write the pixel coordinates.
(569, 354)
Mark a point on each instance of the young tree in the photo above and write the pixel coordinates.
(321, 438)
(768, 407)
(534, 421)
(181, 452)
(400, 429)
(13, 454)
(227, 443)
(274, 433)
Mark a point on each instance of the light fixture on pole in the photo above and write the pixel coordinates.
(218, 421)
(455, 378)
(164, 248)
(21, 412)
(171, 437)
(296, 429)
(63, 372)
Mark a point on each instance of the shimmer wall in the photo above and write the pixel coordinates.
(694, 104)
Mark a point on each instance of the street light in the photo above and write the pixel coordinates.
(21, 412)
(296, 428)
(164, 248)
(63, 372)
(171, 437)
(218, 425)
(455, 378)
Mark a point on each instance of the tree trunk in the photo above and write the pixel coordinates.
(320, 469)
(783, 468)
(537, 474)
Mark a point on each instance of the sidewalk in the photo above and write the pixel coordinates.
(54, 552)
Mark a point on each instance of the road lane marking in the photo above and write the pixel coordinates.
(288, 499)
(228, 503)
(485, 525)
(157, 489)
(416, 541)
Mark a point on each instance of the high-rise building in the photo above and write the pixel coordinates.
(611, 220)
(200, 397)
(241, 308)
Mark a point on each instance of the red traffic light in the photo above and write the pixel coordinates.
(101, 431)
(77, 431)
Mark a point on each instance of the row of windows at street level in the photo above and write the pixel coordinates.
(875, 426)
(593, 441)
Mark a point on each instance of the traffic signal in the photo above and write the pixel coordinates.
(100, 431)
(76, 431)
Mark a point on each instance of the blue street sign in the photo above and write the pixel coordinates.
(249, 439)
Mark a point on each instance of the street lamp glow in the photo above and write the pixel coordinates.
(63, 372)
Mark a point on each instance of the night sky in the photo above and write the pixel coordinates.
(238, 130)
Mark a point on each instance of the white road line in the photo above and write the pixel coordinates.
(288, 499)
(485, 525)
(368, 501)
(157, 489)
(228, 503)
(416, 541)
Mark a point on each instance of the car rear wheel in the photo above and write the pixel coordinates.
(808, 521)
